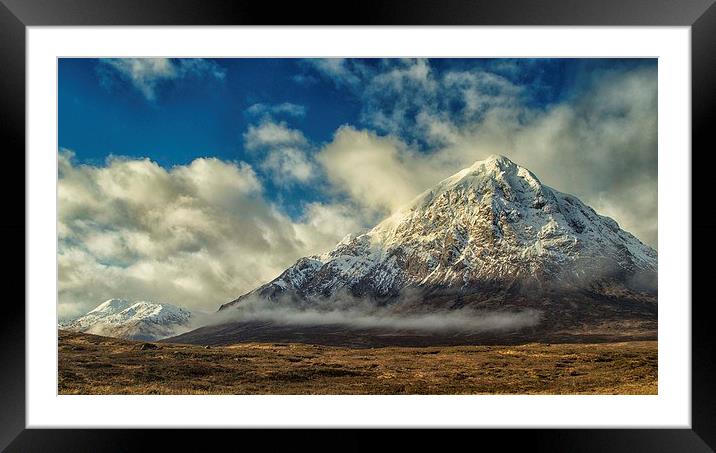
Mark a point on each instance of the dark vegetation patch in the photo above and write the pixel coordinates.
(97, 365)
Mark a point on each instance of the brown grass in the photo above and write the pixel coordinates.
(90, 364)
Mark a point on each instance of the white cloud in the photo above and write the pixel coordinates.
(378, 173)
(342, 71)
(283, 152)
(323, 224)
(271, 134)
(287, 165)
(146, 74)
(285, 108)
(196, 235)
(408, 99)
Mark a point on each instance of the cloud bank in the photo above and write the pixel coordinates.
(196, 235)
(365, 314)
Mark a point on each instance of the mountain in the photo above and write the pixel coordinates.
(141, 320)
(490, 227)
(492, 238)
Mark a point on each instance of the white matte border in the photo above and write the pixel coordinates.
(670, 408)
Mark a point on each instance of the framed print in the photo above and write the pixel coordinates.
(483, 220)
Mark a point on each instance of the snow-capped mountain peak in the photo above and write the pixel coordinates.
(110, 307)
(491, 225)
(140, 320)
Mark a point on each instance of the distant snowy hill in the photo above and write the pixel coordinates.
(133, 320)
(490, 232)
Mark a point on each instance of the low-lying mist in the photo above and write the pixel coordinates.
(366, 314)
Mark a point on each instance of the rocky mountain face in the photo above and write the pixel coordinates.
(141, 320)
(490, 236)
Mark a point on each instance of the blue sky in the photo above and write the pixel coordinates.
(198, 117)
(101, 113)
(205, 116)
(175, 164)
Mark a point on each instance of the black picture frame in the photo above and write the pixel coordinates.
(16, 15)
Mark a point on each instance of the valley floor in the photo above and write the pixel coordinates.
(90, 364)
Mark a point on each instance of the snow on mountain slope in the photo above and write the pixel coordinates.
(491, 226)
(132, 320)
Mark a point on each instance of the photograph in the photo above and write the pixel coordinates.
(357, 226)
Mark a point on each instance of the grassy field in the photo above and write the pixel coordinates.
(90, 364)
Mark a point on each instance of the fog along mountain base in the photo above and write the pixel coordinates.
(488, 243)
